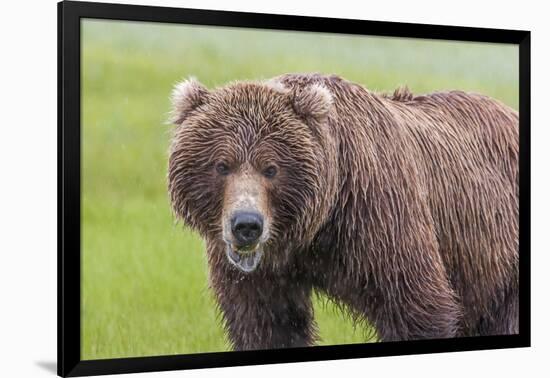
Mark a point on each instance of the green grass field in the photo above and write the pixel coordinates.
(145, 277)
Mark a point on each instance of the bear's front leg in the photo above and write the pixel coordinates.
(413, 309)
(262, 310)
(399, 280)
(409, 295)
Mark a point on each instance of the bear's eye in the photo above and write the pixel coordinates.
(270, 171)
(222, 169)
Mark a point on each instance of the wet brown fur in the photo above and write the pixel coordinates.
(403, 209)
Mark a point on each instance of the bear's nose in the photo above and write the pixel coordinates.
(247, 227)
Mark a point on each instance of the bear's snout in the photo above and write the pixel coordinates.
(247, 227)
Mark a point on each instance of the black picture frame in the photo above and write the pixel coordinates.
(69, 180)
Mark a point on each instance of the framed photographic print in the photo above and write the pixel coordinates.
(239, 188)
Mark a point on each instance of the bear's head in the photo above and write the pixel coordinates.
(253, 166)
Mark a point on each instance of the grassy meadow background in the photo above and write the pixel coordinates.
(144, 289)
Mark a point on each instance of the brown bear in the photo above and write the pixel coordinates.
(401, 208)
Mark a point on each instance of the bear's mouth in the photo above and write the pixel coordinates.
(246, 259)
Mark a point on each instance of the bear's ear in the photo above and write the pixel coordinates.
(312, 102)
(186, 96)
(277, 86)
